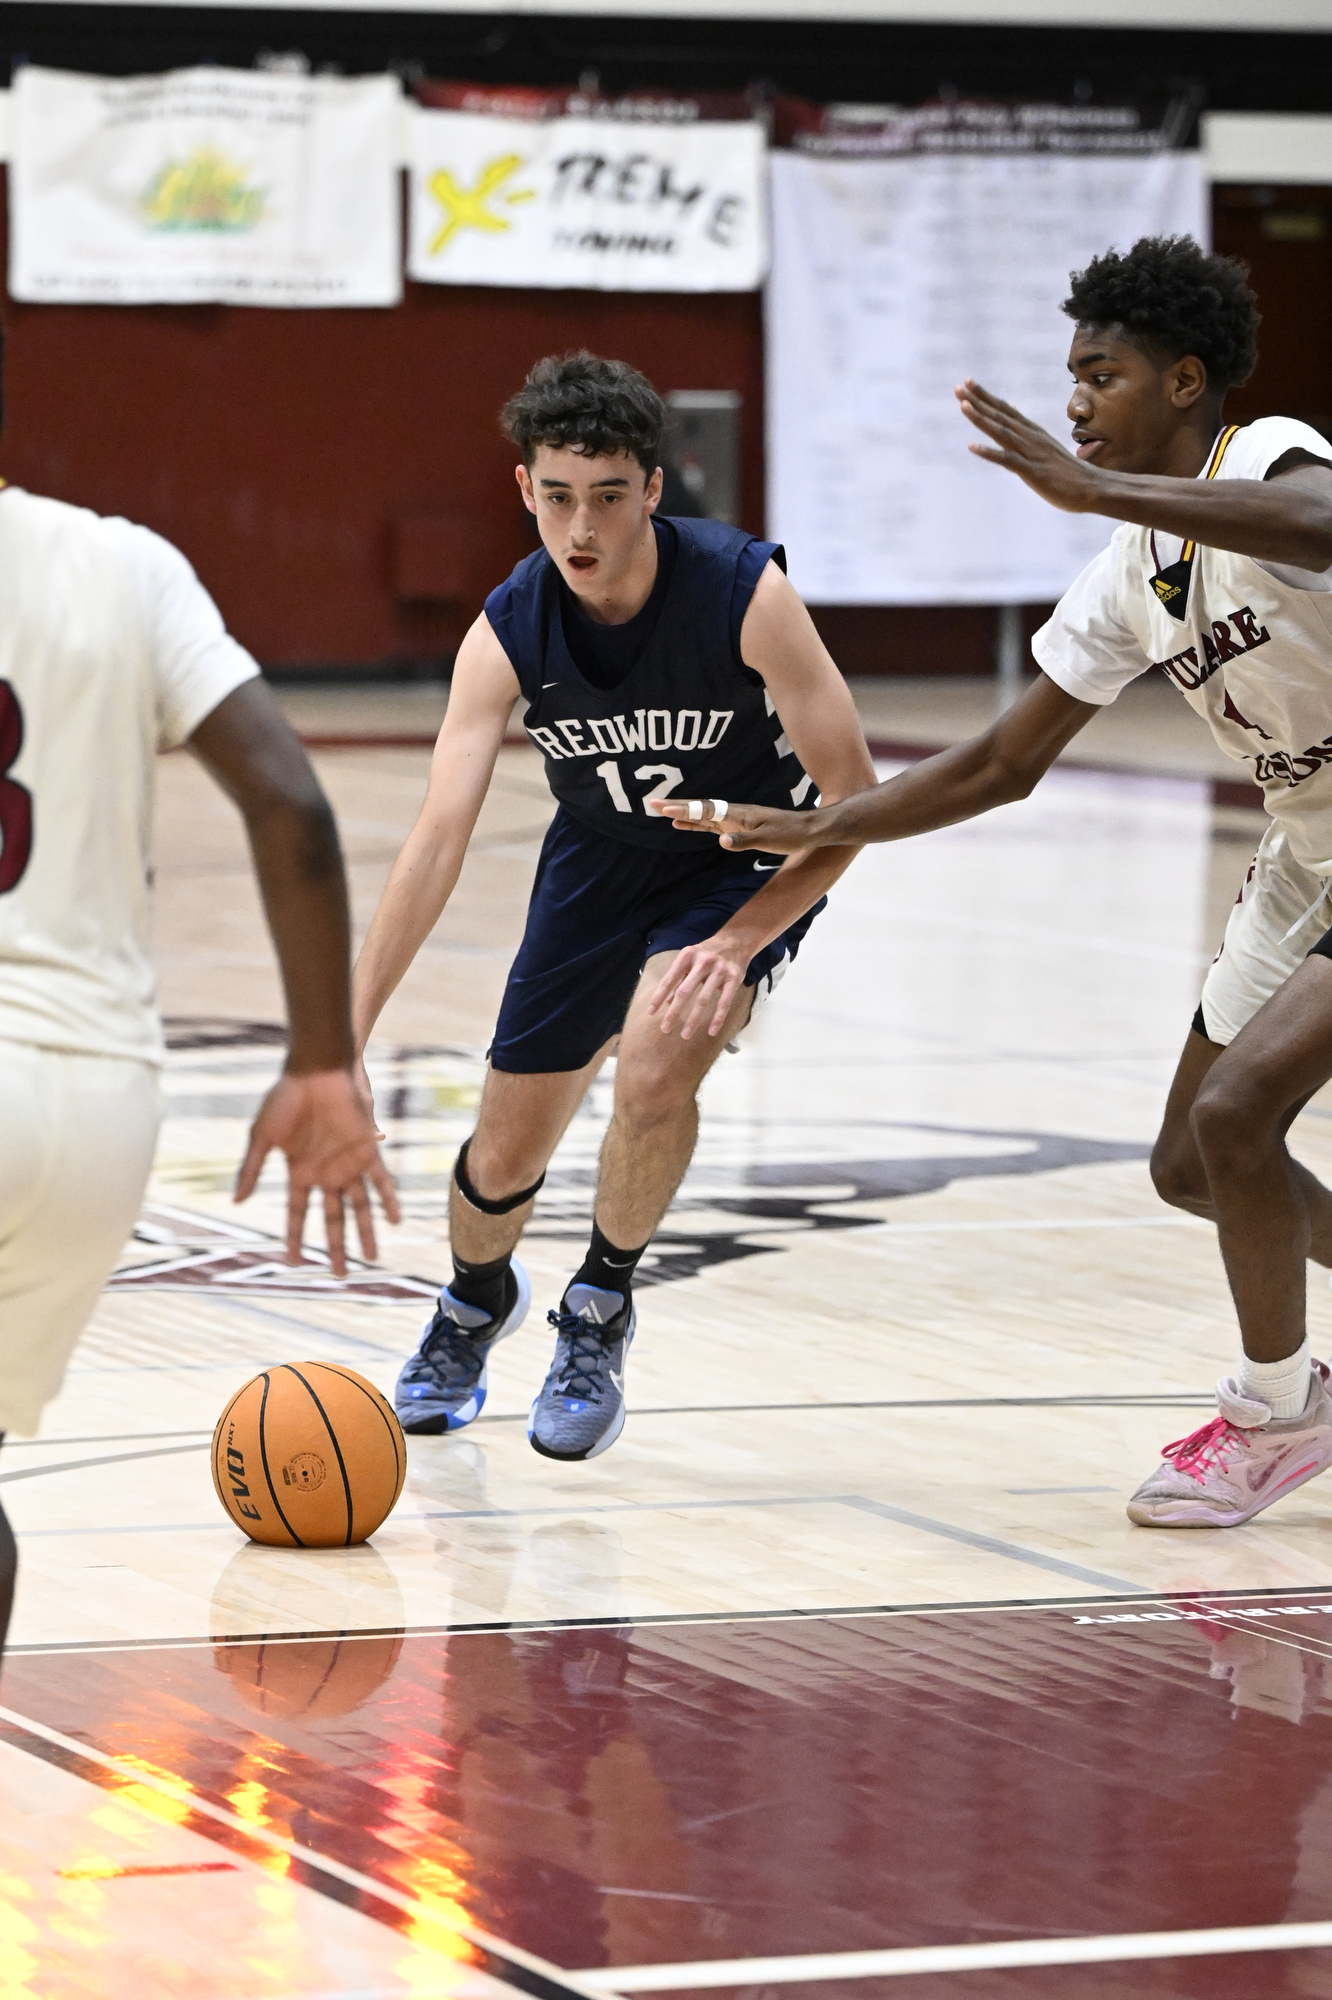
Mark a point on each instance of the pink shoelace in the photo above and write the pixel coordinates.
(1205, 1450)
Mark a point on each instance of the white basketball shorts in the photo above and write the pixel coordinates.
(1282, 911)
(77, 1135)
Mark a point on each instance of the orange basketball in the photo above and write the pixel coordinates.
(308, 1456)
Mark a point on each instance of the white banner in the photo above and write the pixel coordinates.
(236, 186)
(892, 280)
(587, 203)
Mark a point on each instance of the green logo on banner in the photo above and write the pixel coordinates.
(207, 191)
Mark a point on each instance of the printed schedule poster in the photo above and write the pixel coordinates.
(894, 279)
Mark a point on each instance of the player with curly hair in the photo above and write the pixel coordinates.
(1222, 577)
(654, 656)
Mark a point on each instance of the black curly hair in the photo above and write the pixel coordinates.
(1172, 296)
(602, 407)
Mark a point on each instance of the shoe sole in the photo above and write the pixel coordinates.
(1191, 1514)
(449, 1420)
(608, 1437)
(603, 1443)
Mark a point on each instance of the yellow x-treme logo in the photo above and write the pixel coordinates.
(465, 208)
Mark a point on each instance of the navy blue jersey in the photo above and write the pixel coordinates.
(688, 720)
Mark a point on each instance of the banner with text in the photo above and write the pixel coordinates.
(586, 203)
(239, 187)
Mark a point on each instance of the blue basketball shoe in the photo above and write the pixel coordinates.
(443, 1386)
(580, 1411)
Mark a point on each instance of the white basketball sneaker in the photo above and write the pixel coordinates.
(1239, 1463)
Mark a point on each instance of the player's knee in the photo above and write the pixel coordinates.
(1232, 1117)
(646, 1099)
(1177, 1171)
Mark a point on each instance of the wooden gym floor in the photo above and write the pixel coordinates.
(847, 1647)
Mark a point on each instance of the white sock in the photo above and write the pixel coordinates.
(1282, 1385)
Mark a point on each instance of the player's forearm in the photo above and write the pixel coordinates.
(298, 862)
(797, 886)
(422, 880)
(1277, 520)
(957, 784)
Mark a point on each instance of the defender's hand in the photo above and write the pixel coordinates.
(762, 827)
(700, 987)
(320, 1123)
(1021, 446)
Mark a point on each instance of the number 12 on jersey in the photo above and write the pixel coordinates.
(670, 775)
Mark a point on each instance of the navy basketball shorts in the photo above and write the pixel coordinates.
(599, 910)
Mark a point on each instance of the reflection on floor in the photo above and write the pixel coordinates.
(757, 1682)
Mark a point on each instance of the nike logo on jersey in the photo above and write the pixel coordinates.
(766, 867)
(1185, 669)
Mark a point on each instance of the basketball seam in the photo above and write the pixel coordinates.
(375, 1400)
(346, 1483)
(263, 1453)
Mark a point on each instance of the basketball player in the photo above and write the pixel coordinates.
(110, 650)
(1222, 576)
(654, 657)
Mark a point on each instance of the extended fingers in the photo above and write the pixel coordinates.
(335, 1230)
(255, 1154)
(365, 1220)
(724, 999)
(981, 398)
(683, 981)
(704, 997)
(298, 1201)
(387, 1190)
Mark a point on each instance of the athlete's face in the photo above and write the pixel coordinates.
(1129, 411)
(593, 515)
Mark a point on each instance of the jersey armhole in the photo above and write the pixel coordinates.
(1290, 460)
(748, 570)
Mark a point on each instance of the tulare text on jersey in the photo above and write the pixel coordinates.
(1220, 644)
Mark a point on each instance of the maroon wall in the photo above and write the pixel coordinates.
(331, 474)
(338, 478)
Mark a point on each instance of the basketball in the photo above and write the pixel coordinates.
(308, 1456)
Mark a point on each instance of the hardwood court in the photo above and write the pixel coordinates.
(847, 1646)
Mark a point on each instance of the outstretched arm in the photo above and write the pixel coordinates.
(422, 879)
(818, 717)
(313, 1112)
(1003, 764)
(1285, 518)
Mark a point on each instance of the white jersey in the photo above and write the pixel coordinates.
(1248, 643)
(110, 650)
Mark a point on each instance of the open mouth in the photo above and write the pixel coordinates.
(583, 564)
(1088, 447)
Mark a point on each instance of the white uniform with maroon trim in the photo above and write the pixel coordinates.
(1253, 654)
(110, 650)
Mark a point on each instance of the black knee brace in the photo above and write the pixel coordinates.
(475, 1200)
